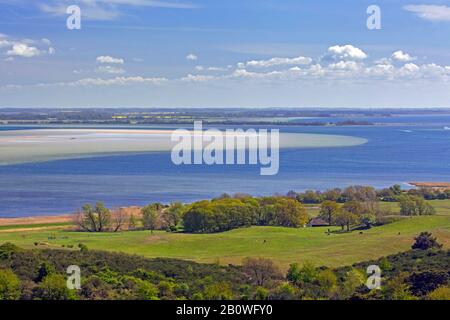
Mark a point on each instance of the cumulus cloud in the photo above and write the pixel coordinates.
(191, 57)
(23, 50)
(352, 69)
(430, 12)
(402, 56)
(346, 52)
(109, 60)
(276, 62)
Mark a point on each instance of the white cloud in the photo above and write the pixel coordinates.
(110, 70)
(23, 50)
(344, 65)
(117, 81)
(277, 62)
(191, 57)
(402, 56)
(105, 10)
(346, 52)
(197, 78)
(430, 12)
(109, 60)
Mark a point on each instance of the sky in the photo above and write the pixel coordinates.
(229, 53)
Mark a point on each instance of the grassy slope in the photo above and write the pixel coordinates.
(284, 245)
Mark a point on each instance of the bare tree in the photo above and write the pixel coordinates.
(119, 218)
(261, 271)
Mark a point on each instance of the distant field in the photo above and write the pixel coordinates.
(283, 245)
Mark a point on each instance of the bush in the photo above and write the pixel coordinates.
(9, 285)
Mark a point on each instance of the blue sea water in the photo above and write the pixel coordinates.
(411, 148)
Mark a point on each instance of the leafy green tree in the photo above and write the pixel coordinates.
(54, 287)
(150, 217)
(174, 214)
(300, 275)
(328, 209)
(218, 291)
(285, 291)
(426, 241)
(261, 293)
(414, 206)
(352, 281)
(354, 207)
(327, 281)
(397, 288)
(9, 285)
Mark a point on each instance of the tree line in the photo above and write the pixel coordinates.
(221, 214)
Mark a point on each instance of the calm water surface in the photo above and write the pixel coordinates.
(409, 148)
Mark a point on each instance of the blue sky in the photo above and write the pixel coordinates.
(233, 53)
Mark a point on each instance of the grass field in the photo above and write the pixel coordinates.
(283, 245)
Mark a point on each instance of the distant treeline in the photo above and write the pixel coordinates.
(41, 275)
(367, 193)
(350, 208)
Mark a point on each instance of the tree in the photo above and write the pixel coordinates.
(368, 220)
(345, 219)
(150, 217)
(9, 285)
(93, 219)
(309, 197)
(327, 281)
(328, 210)
(118, 219)
(174, 214)
(306, 274)
(286, 212)
(397, 288)
(54, 287)
(261, 271)
(45, 269)
(352, 281)
(132, 223)
(354, 207)
(414, 206)
(426, 241)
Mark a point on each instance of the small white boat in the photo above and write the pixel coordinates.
(446, 128)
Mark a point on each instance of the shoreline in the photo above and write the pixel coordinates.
(31, 220)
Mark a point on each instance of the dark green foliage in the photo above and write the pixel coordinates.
(120, 276)
(426, 241)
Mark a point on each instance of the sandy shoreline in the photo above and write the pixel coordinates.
(35, 220)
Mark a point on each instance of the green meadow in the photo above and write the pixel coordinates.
(283, 245)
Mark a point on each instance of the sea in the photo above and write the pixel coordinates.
(400, 149)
